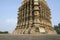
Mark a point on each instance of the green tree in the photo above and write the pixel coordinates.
(6, 32)
(57, 28)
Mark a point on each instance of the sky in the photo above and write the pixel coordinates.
(9, 8)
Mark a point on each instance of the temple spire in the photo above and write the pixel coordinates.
(34, 17)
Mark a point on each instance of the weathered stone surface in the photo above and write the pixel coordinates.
(34, 17)
(29, 37)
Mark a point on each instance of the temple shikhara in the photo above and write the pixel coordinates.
(34, 17)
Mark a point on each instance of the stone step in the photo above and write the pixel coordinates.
(29, 37)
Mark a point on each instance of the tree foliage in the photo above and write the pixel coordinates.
(6, 32)
(57, 28)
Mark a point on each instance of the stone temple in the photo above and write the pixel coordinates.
(34, 17)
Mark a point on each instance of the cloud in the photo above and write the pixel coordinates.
(11, 24)
(11, 21)
(8, 24)
(0, 23)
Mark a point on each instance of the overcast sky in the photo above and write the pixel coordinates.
(9, 8)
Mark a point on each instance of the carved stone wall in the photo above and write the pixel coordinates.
(34, 17)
